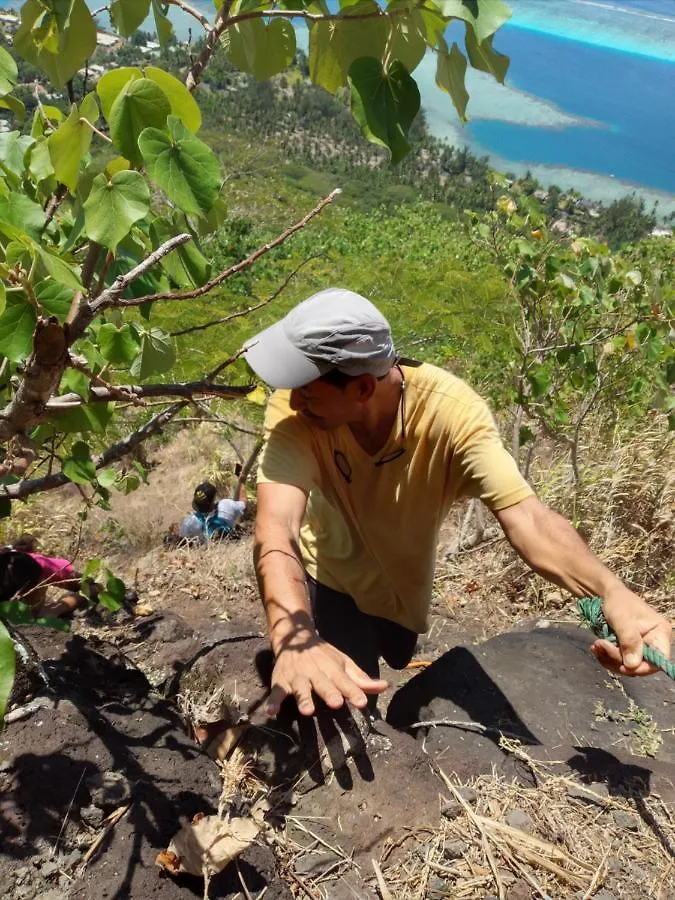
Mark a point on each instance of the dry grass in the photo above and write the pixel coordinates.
(565, 846)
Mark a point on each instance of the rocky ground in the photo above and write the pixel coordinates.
(513, 766)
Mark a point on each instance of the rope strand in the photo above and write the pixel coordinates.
(590, 609)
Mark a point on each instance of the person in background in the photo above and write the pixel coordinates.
(213, 519)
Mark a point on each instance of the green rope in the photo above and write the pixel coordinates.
(591, 610)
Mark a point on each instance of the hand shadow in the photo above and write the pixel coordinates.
(320, 745)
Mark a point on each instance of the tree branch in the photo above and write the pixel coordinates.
(127, 392)
(110, 296)
(212, 38)
(249, 309)
(41, 378)
(233, 270)
(112, 454)
(191, 11)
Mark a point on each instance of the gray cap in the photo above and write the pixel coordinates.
(334, 329)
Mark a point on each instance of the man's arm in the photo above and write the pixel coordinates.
(552, 547)
(303, 662)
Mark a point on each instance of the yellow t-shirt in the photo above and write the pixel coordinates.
(371, 530)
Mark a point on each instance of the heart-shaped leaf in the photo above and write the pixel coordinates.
(17, 324)
(157, 355)
(55, 298)
(183, 166)
(110, 86)
(113, 205)
(8, 72)
(79, 466)
(58, 37)
(128, 15)
(141, 104)
(118, 345)
(384, 104)
(183, 104)
(262, 49)
(450, 74)
(334, 45)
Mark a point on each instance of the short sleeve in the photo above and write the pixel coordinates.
(287, 456)
(482, 465)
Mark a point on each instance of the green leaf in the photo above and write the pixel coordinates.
(13, 148)
(40, 161)
(128, 15)
(114, 205)
(334, 45)
(111, 85)
(17, 324)
(384, 105)
(118, 345)
(183, 166)
(407, 44)
(79, 466)
(186, 266)
(23, 213)
(141, 104)
(163, 25)
(56, 43)
(8, 72)
(183, 104)
(14, 105)
(450, 74)
(157, 355)
(7, 669)
(483, 16)
(55, 298)
(67, 146)
(3, 298)
(261, 49)
(60, 271)
(75, 382)
(106, 477)
(482, 56)
(539, 380)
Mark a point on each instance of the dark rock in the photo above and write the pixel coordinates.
(623, 819)
(314, 864)
(92, 815)
(519, 819)
(108, 789)
(455, 849)
(451, 810)
(519, 890)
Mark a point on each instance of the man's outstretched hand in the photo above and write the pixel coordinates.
(312, 666)
(635, 623)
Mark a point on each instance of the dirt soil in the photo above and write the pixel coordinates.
(513, 766)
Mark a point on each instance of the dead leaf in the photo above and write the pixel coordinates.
(142, 610)
(208, 844)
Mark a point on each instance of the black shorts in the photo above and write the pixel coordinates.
(364, 638)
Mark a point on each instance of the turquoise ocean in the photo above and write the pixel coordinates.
(588, 101)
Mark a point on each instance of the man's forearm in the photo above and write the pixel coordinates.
(552, 547)
(283, 588)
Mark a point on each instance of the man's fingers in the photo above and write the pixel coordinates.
(302, 689)
(611, 658)
(367, 684)
(277, 696)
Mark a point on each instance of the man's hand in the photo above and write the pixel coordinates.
(318, 667)
(634, 622)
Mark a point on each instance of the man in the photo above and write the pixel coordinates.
(365, 454)
(213, 519)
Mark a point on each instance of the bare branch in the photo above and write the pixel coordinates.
(212, 38)
(191, 11)
(319, 17)
(101, 134)
(127, 392)
(110, 296)
(249, 309)
(233, 270)
(112, 454)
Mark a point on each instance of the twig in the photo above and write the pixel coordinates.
(249, 309)
(210, 43)
(470, 726)
(67, 815)
(481, 829)
(111, 821)
(597, 876)
(191, 11)
(247, 893)
(85, 121)
(129, 392)
(381, 883)
(228, 273)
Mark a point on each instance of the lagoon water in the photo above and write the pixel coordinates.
(589, 95)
